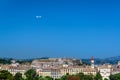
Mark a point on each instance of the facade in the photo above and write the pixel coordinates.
(56, 73)
(88, 71)
(105, 71)
(59, 72)
(44, 72)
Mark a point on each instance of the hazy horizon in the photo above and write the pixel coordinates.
(59, 28)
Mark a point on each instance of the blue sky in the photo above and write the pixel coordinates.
(75, 28)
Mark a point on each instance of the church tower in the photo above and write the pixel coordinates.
(92, 62)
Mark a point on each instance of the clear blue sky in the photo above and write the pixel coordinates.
(68, 28)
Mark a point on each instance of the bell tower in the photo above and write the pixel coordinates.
(92, 62)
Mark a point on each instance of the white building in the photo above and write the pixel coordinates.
(105, 71)
(92, 62)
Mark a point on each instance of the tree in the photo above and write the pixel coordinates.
(81, 76)
(48, 78)
(105, 79)
(18, 76)
(73, 77)
(88, 77)
(65, 76)
(5, 75)
(115, 77)
(41, 78)
(98, 76)
(31, 75)
(58, 79)
(112, 77)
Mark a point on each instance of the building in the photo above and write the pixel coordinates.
(92, 62)
(88, 71)
(105, 71)
(15, 69)
(44, 72)
(115, 69)
(56, 73)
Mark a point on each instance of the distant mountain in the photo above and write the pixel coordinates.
(111, 60)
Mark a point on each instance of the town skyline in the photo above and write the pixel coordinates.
(59, 69)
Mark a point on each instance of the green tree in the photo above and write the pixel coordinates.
(18, 76)
(115, 77)
(5, 75)
(98, 76)
(58, 79)
(48, 78)
(105, 79)
(88, 77)
(111, 77)
(41, 78)
(65, 77)
(31, 75)
(81, 76)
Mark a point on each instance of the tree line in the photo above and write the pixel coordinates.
(8, 61)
